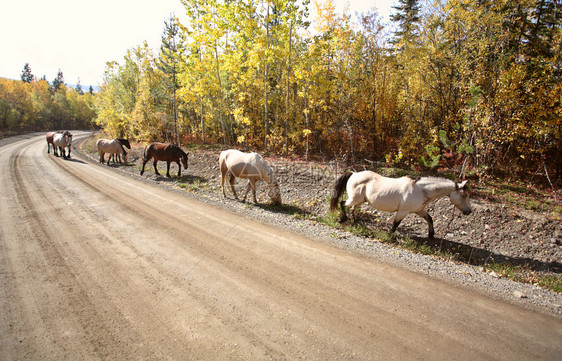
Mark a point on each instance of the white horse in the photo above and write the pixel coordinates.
(61, 141)
(250, 166)
(113, 147)
(401, 195)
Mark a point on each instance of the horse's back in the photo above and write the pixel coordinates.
(231, 157)
(58, 139)
(104, 144)
(380, 192)
(387, 194)
(163, 151)
(242, 165)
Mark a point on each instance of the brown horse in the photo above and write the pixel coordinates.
(165, 152)
(49, 137)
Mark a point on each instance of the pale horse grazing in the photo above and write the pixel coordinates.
(111, 146)
(401, 195)
(250, 166)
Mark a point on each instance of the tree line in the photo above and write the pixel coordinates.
(35, 104)
(471, 84)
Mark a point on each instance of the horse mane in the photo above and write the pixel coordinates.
(177, 148)
(122, 149)
(430, 185)
(268, 169)
(433, 180)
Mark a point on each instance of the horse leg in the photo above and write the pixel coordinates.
(109, 158)
(144, 161)
(168, 169)
(343, 216)
(155, 168)
(353, 214)
(232, 180)
(429, 220)
(247, 190)
(400, 215)
(253, 185)
(223, 175)
(179, 169)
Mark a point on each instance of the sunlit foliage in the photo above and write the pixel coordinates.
(459, 82)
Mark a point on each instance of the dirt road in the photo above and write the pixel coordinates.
(98, 265)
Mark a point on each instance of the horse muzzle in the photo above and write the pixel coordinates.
(467, 212)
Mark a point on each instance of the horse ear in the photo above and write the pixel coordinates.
(462, 184)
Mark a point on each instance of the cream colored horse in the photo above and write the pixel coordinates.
(62, 140)
(250, 166)
(401, 195)
(113, 147)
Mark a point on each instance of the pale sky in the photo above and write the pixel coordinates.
(79, 37)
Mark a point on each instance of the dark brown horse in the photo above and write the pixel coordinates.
(165, 152)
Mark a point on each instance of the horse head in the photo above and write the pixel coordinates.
(184, 159)
(459, 197)
(274, 193)
(67, 137)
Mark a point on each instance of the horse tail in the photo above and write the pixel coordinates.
(339, 187)
(145, 153)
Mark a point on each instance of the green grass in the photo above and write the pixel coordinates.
(195, 186)
(552, 282)
(525, 274)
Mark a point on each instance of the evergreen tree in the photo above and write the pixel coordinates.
(407, 17)
(26, 75)
(59, 80)
(169, 63)
(91, 91)
(79, 88)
